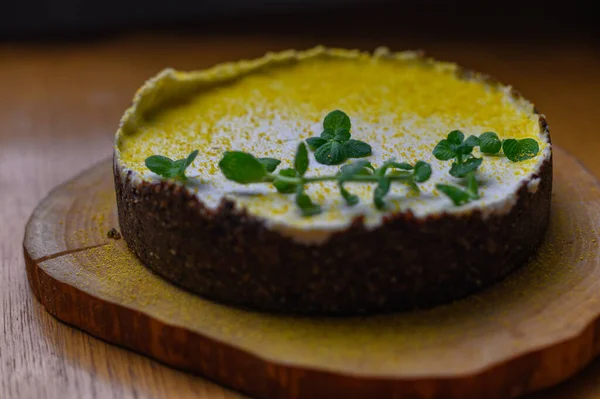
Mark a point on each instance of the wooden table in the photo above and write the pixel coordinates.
(59, 107)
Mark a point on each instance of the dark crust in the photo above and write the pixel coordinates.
(230, 256)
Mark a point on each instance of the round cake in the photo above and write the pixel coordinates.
(436, 237)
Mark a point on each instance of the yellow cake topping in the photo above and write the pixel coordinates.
(400, 104)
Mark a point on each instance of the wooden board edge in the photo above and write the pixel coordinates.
(253, 375)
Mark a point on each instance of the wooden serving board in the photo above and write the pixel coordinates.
(535, 329)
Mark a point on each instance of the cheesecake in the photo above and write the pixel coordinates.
(249, 245)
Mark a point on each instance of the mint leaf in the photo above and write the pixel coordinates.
(160, 165)
(328, 134)
(472, 141)
(461, 169)
(332, 153)
(350, 199)
(178, 170)
(186, 163)
(472, 186)
(342, 135)
(337, 120)
(357, 149)
(305, 204)
(466, 147)
(285, 187)
(456, 137)
(315, 142)
(335, 146)
(191, 158)
(242, 167)
(391, 163)
(443, 151)
(457, 195)
(355, 168)
(166, 167)
(301, 159)
(402, 165)
(520, 150)
(338, 153)
(528, 148)
(270, 164)
(422, 172)
(511, 149)
(489, 143)
(381, 190)
(463, 148)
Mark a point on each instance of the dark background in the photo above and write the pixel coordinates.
(525, 19)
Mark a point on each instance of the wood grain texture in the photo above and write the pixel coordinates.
(521, 335)
(59, 108)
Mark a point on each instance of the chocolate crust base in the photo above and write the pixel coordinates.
(406, 263)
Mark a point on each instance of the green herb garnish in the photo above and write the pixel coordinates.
(166, 167)
(461, 196)
(520, 150)
(335, 146)
(465, 165)
(244, 168)
(460, 150)
(270, 164)
(489, 143)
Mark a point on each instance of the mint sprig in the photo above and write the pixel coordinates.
(244, 168)
(464, 164)
(335, 146)
(460, 150)
(461, 196)
(465, 167)
(169, 168)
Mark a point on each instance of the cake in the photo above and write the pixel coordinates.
(249, 245)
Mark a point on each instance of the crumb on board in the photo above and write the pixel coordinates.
(114, 234)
